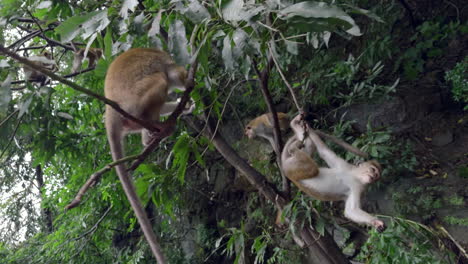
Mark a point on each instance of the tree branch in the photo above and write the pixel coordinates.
(74, 86)
(94, 178)
(278, 147)
(342, 143)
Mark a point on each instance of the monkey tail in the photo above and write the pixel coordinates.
(115, 134)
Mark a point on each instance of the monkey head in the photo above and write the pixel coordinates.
(262, 125)
(250, 131)
(368, 171)
(177, 76)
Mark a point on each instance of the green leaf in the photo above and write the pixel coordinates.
(108, 43)
(360, 11)
(178, 43)
(227, 53)
(5, 93)
(320, 226)
(24, 106)
(90, 23)
(196, 12)
(330, 14)
(181, 155)
(291, 47)
(232, 10)
(128, 5)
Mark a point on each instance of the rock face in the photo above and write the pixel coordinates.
(390, 113)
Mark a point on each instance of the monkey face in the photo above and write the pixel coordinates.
(368, 172)
(249, 132)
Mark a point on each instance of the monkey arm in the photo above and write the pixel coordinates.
(325, 152)
(354, 212)
(168, 107)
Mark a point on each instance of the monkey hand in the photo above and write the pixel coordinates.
(189, 107)
(379, 225)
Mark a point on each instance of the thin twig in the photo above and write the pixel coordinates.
(12, 136)
(49, 40)
(96, 225)
(20, 41)
(94, 178)
(278, 143)
(8, 117)
(296, 102)
(65, 76)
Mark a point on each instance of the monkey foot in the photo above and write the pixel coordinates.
(379, 225)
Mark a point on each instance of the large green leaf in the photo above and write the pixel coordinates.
(89, 23)
(128, 5)
(5, 94)
(320, 10)
(194, 11)
(237, 10)
(178, 43)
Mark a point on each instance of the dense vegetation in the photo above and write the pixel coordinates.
(378, 74)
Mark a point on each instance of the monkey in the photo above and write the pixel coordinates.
(93, 55)
(262, 126)
(340, 181)
(139, 80)
(44, 60)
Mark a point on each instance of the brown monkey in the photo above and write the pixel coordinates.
(93, 55)
(340, 181)
(44, 60)
(139, 81)
(262, 126)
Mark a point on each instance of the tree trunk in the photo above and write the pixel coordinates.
(45, 212)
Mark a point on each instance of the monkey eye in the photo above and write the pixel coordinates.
(249, 128)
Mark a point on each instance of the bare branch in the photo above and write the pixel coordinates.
(8, 117)
(278, 146)
(11, 137)
(96, 225)
(343, 144)
(299, 108)
(20, 42)
(94, 178)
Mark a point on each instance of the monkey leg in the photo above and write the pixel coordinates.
(304, 167)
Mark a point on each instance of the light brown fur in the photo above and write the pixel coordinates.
(93, 55)
(339, 181)
(263, 125)
(139, 81)
(44, 60)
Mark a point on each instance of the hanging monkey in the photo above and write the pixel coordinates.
(340, 181)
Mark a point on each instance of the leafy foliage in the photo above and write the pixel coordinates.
(53, 137)
(459, 81)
